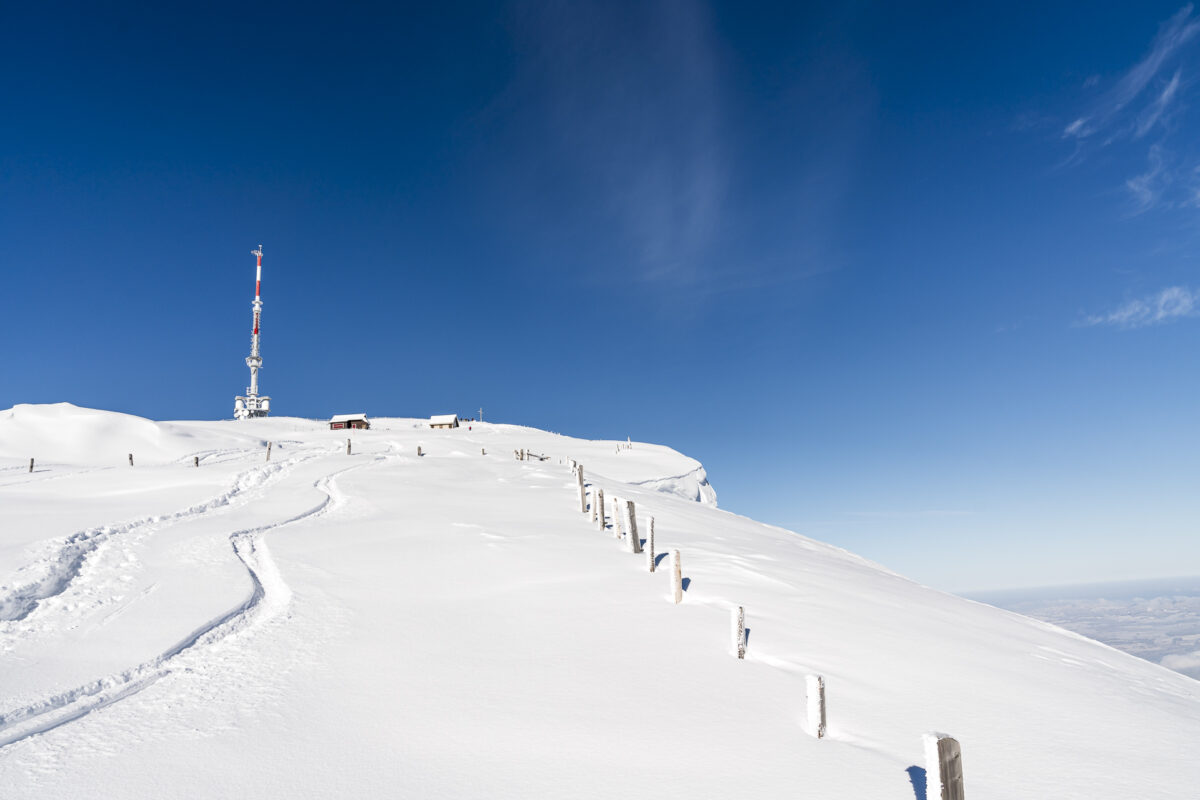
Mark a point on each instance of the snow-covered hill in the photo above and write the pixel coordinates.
(386, 625)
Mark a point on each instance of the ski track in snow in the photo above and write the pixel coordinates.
(269, 596)
(61, 568)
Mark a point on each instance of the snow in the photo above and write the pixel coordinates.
(382, 624)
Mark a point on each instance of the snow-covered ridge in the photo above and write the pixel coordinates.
(62, 433)
(386, 624)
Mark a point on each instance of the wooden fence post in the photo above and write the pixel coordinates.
(676, 577)
(738, 628)
(635, 540)
(131, 459)
(196, 460)
(31, 465)
(943, 767)
(650, 545)
(268, 451)
(600, 508)
(347, 447)
(815, 685)
(483, 451)
(618, 523)
(582, 491)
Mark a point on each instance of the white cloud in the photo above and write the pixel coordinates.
(1168, 305)
(1187, 663)
(1182, 661)
(1077, 128)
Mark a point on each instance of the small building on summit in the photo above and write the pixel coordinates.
(341, 421)
(444, 421)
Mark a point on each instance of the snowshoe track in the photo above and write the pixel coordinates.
(268, 598)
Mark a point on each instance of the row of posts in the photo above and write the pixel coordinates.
(943, 754)
(196, 459)
(625, 526)
(130, 462)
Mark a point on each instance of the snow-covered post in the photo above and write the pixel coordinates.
(347, 447)
(268, 451)
(600, 508)
(618, 523)
(815, 686)
(196, 460)
(582, 491)
(483, 451)
(635, 540)
(31, 465)
(943, 767)
(131, 459)
(419, 453)
(676, 577)
(738, 628)
(522, 453)
(650, 545)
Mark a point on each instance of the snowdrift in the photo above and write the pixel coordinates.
(63, 433)
(383, 624)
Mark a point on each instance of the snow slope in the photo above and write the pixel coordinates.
(386, 625)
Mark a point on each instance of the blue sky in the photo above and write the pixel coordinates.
(918, 281)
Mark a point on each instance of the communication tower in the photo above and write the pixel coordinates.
(251, 405)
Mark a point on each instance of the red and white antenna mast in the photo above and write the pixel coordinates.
(251, 405)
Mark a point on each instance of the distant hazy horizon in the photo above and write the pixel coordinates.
(1157, 620)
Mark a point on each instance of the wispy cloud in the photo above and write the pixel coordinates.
(1169, 305)
(1172, 34)
(1155, 111)
(1141, 101)
(625, 139)
(630, 106)
(1147, 187)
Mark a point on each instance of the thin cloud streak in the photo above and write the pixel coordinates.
(1147, 187)
(1129, 112)
(1169, 305)
(1155, 112)
(634, 110)
(1172, 35)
